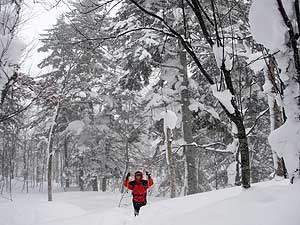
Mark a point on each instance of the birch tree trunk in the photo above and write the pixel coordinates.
(50, 152)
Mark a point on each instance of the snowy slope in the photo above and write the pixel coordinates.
(268, 203)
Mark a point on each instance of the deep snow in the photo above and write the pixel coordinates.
(268, 203)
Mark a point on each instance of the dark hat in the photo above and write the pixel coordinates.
(138, 173)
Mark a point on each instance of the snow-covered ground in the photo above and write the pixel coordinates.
(268, 203)
(68, 208)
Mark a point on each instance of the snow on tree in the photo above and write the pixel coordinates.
(11, 46)
(111, 74)
(75, 127)
(170, 122)
(275, 24)
(170, 119)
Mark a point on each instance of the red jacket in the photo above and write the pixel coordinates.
(139, 188)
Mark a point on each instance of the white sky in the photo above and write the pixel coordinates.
(37, 19)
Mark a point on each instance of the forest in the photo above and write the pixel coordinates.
(202, 94)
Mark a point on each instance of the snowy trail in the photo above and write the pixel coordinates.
(71, 208)
(268, 203)
(80, 208)
(115, 216)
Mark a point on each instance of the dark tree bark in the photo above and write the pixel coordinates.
(50, 152)
(50, 197)
(66, 163)
(81, 174)
(244, 151)
(104, 184)
(95, 183)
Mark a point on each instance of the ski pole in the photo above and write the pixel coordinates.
(122, 196)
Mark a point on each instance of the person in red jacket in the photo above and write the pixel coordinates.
(139, 188)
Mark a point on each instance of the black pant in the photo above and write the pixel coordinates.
(137, 206)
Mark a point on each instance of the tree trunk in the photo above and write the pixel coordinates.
(25, 175)
(56, 170)
(189, 150)
(103, 184)
(45, 158)
(244, 151)
(81, 182)
(50, 151)
(238, 120)
(276, 117)
(66, 164)
(95, 183)
(81, 174)
(171, 163)
(291, 93)
(27, 168)
(50, 198)
(126, 164)
(237, 169)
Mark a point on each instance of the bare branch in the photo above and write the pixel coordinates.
(256, 120)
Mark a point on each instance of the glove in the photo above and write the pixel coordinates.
(148, 174)
(127, 176)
